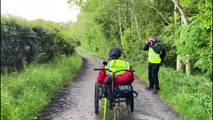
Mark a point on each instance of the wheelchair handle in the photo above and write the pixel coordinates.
(103, 69)
(135, 94)
(114, 71)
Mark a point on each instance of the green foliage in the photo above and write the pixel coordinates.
(91, 34)
(131, 44)
(24, 42)
(111, 16)
(137, 21)
(25, 94)
(194, 41)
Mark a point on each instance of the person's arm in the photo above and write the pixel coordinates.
(101, 76)
(146, 47)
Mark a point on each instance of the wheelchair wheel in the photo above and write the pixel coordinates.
(131, 103)
(96, 98)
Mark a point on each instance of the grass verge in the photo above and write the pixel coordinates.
(191, 96)
(25, 94)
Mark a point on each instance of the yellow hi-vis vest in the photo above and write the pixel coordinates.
(153, 57)
(115, 65)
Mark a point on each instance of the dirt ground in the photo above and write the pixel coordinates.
(76, 100)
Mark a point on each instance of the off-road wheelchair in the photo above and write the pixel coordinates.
(112, 96)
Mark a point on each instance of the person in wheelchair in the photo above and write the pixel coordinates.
(115, 63)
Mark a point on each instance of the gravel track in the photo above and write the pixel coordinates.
(75, 101)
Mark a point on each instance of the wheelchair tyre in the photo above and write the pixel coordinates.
(96, 98)
(131, 103)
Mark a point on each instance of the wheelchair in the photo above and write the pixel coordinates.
(112, 96)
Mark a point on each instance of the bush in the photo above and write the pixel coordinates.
(25, 42)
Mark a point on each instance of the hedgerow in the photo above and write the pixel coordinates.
(25, 42)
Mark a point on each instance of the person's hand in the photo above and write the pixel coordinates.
(105, 62)
(149, 42)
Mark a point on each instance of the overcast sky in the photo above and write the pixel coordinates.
(54, 10)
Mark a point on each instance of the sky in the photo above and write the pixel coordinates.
(53, 10)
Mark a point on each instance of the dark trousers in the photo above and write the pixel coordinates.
(153, 75)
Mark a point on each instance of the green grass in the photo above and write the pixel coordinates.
(103, 54)
(191, 96)
(25, 94)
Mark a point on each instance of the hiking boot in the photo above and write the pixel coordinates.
(158, 89)
(149, 88)
(155, 92)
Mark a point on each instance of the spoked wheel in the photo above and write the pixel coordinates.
(96, 98)
(118, 113)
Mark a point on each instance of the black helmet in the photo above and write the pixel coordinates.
(115, 53)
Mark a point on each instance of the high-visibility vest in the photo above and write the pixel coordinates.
(153, 57)
(115, 65)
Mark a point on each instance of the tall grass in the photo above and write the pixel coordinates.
(24, 95)
(191, 96)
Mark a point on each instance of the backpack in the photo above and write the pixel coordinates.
(123, 91)
(163, 52)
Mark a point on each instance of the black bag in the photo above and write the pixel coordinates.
(163, 53)
(123, 91)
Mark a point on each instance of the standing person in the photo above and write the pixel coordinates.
(156, 54)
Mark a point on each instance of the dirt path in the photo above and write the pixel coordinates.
(75, 101)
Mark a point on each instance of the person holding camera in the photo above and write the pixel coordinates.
(156, 54)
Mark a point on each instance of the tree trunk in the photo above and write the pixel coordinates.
(135, 18)
(120, 31)
(184, 20)
(136, 22)
(179, 65)
(188, 66)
